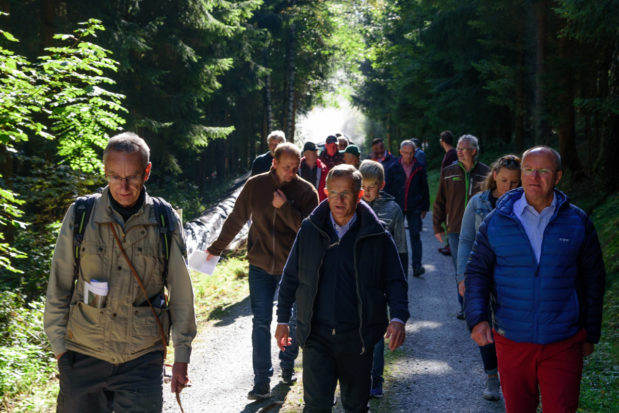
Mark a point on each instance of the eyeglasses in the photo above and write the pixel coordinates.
(540, 172)
(509, 161)
(463, 149)
(342, 195)
(132, 180)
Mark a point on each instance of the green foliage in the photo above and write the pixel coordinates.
(63, 93)
(25, 357)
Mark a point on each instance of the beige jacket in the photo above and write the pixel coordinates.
(124, 329)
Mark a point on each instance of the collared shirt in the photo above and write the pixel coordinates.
(534, 223)
(342, 230)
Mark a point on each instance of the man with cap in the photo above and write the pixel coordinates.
(352, 155)
(312, 169)
(331, 156)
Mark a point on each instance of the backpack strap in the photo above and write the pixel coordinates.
(165, 222)
(82, 210)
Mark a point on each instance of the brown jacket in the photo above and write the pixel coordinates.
(272, 230)
(455, 188)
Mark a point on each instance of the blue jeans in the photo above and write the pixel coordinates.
(262, 288)
(378, 364)
(454, 239)
(414, 229)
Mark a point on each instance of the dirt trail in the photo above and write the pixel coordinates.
(438, 369)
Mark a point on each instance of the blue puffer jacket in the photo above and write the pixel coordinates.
(535, 302)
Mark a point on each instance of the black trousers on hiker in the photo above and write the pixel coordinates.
(329, 357)
(91, 385)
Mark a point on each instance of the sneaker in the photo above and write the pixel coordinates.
(492, 391)
(377, 389)
(288, 377)
(259, 392)
(460, 315)
(417, 272)
(445, 250)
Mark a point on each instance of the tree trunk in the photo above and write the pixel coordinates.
(268, 108)
(48, 16)
(542, 128)
(290, 98)
(608, 167)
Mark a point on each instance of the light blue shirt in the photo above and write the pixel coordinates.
(534, 223)
(342, 230)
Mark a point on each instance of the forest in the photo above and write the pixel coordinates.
(205, 81)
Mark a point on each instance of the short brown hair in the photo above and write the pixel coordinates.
(286, 147)
(347, 171)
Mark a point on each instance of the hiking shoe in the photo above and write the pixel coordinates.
(259, 392)
(417, 272)
(377, 389)
(460, 315)
(492, 391)
(288, 377)
(445, 250)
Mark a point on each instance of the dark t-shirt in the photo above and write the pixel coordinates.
(450, 157)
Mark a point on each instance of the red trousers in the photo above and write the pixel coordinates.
(555, 369)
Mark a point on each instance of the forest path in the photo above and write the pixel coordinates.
(438, 369)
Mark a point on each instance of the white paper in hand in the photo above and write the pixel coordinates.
(198, 262)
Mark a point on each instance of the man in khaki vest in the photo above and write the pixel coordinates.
(108, 343)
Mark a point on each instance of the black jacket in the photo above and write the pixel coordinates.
(262, 163)
(378, 272)
(411, 194)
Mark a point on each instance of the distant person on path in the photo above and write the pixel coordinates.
(537, 259)
(352, 156)
(447, 143)
(342, 141)
(408, 183)
(420, 155)
(458, 183)
(390, 215)
(331, 156)
(342, 272)
(107, 351)
(313, 170)
(263, 162)
(381, 154)
(504, 176)
(276, 202)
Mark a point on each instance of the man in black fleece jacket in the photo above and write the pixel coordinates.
(343, 271)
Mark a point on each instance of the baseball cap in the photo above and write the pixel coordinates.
(331, 139)
(353, 149)
(309, 146)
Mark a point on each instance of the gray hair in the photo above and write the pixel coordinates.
(473, 141)
(349, 171)
(277, 134)
(128, 142)
(372, 171)
(544, 148)
(407, 142)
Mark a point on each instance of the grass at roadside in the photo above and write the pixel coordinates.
(601, 371)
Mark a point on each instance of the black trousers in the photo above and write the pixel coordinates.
(90, 385)
(329, 357)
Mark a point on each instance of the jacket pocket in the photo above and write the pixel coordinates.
(84, 326)
(145, 328)
(149, 262)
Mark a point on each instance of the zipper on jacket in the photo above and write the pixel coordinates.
(359, 302)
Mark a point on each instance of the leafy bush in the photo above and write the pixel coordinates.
(26, 360)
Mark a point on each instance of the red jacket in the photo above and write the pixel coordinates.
(321, 176)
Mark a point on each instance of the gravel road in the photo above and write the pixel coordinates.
(438, 369)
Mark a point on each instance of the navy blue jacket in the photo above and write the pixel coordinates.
(411, 194)
(535, 302)
(262, 163)
(379, 275)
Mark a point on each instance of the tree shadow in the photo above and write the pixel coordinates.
(271, 405)
(227, 315)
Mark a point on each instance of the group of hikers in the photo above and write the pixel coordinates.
(327, 241)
